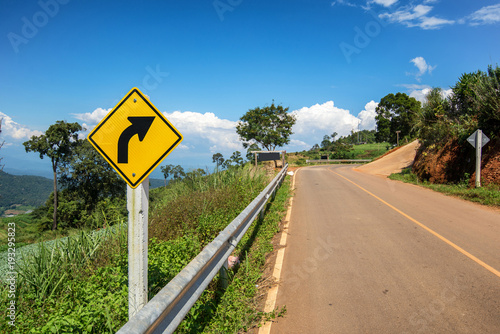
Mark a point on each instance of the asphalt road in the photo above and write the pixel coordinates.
(366, 254)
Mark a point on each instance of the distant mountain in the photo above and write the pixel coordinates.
(155, 183)
(34, 190)
(24, 189)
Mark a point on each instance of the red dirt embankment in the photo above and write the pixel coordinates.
(453, 162)
(449, 163)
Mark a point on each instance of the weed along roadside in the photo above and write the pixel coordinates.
(172, 304)
(85, 279)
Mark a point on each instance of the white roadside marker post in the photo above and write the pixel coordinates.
(478, 139)
(479, 146)
(137, 205)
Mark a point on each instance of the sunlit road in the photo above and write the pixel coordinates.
(368, 255)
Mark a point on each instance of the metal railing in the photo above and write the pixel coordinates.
(165, 311)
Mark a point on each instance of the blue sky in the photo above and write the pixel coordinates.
(205, 63)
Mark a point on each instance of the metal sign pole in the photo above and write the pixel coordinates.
(137, 205)
(479, 146)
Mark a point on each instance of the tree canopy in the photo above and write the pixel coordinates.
(57, 144)
(270, 127)
(396, 113)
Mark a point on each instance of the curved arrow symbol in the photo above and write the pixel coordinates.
(140, 126)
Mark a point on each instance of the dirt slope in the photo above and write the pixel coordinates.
(393, 162)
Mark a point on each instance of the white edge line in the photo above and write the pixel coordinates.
(273, 291)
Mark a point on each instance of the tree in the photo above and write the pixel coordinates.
(89, 177)
(271, 127)
(315, 148)
(218, 159)
(325, 144)
(487, 102)
(429, 123)
(396, 113)
(178, 172)
(236, 158)
(57, 143)
(253, 147)
(464, 95)
(195, 174)
(166, 170)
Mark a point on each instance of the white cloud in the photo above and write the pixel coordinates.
(486, 15)
(206, 134)
(422, 66)
(203, 133)
(16, 130)
(318, 120)
(416, 16)
(419, 92)
(367, 116)
(206, 129)
(385, 3)
(93, 118)
(299, 143)
(343, 2)
(323, 119)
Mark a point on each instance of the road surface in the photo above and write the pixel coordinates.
(366, 254)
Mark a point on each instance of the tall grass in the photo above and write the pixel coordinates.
(46, 267)
(80, 284)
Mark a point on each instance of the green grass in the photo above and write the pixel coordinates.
(369, 151)
(79, 284)
(28, 231)
(488, 195)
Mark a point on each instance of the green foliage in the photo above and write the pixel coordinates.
(177, 172)
(57, 144)
(369, 151)
(75, 213)
(25, 190)
(475, 103)
(167, 258)
(487, 103)
(218, 159)
(271, 127)
(488, 195)
(80, 285)
(235, 309)
(396, 113)
(252, 147)
(88, 178)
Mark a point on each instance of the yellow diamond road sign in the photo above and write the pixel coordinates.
(134, 137)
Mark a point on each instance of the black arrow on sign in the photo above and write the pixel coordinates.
(140, 126)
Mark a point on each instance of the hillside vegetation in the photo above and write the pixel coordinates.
(26, 190)
(80, 285)
(443, 124)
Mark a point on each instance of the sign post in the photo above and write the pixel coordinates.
(137, 206)
(135, 137)
(478, 139)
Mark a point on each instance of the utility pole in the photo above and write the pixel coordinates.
(397, 136)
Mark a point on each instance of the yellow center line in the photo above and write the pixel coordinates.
(461, 250)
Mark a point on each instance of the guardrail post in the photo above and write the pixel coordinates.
(223, 276)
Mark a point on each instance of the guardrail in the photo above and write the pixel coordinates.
(339, 160)
(165, 311)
